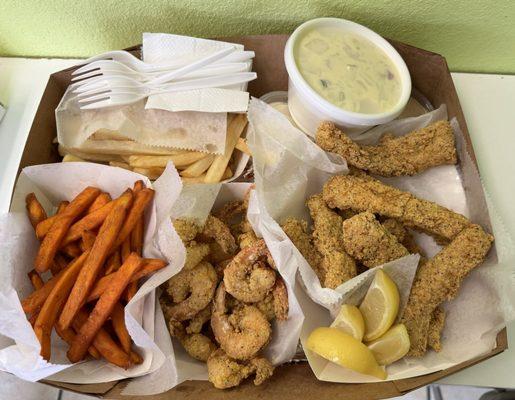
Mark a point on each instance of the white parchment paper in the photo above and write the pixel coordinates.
(286, 174)
(19, 353)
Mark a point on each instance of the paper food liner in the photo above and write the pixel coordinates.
(19, 347)
(196, 202)
(289, 168)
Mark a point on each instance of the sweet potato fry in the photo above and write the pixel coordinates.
(135, 358)
(138, 185)
(103, 342)
(103, 244)
(57, 232)
(62, 205)
(68, 335)
(118, 320)
(88, 239)
(44, 226)
(52, 306)
(113, 263)
(130, 292)
(35, 210)
(149, 265)
(71, 250)
(102, 199)
(35, 279)
(142, 199)
(58, 264)
(103, 308)
(125, 250)
(137, 238)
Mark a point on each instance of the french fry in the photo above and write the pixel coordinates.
(149, 265)
(179, 160)
(120, 164)
(88, 239)
(125, 249)
(35, 210)
(151, 173)
(103, 342)
(72, 158)
(142, 199)
(72, 250)
(118, 320)
(198, 167)
(235, 128)
(201, 179)
(52, 241)
(102, 199)
(52, 306)
(113, 263)
(68, 335)
(58, 264)
(103, 308)
(242, 146)
(87, 155)
(101, 248)
(35, 279)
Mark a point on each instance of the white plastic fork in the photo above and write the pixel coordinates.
(127, 92)
(136, 64)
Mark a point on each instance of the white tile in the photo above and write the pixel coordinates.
(12, 387)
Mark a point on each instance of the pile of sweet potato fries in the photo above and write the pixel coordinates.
(92, 247)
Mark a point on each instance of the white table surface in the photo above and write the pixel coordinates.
(487, 101)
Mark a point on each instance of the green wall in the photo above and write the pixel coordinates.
(475, 35)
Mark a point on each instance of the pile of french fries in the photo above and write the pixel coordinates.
(194, 166)
(92, 250)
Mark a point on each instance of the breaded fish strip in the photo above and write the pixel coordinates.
(368, 241)
(297, 231)
(439, 280)
(338, 266)
(435, 329)
(360, 194)
(402, 234)
(394, 156)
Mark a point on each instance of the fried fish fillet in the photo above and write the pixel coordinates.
(394, 156)
(297, 231)
(435, 329)
(369, 242)
(368, 194)
(338, 266)
(403, 235)
(439, 279)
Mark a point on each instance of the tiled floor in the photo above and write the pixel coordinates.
(14, 388)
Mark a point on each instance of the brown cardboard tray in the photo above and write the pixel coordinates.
(430, 76)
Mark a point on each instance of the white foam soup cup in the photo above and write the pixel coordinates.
(308, 108)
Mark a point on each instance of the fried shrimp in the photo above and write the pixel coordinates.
(338, 266)
(368, 194)
(195, 253)
(439, 279)
(224, 372)
(218, 231)
(243, 332)
(191, 291)
(197, 345)
(197, 322)
(275, 304)
(394, 156)
(369, 242)
(187, 229)
(297, 231)
(248, 277)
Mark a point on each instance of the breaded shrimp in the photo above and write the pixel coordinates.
(338, 266)
(394, 156)
(439, 279)
(368, 194)
(368, 241)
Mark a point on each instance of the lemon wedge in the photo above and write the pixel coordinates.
(349, 320)
(392, 346)
(380, 306)
(341, 348)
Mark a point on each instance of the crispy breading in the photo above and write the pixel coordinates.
(403, 235)
(338, 266)
(297, 231)
(187, 229)
(369, 242)
(367, 194)
(394, 156)
(439, 279)
(435, 329)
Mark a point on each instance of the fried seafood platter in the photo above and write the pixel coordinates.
(220, 306)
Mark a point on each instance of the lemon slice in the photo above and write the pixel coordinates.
(349, 320)
(392, 346)
(380, 306)
(341, 348)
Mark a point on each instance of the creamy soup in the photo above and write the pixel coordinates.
(348, 70)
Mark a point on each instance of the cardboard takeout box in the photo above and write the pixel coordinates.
(430, 76)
